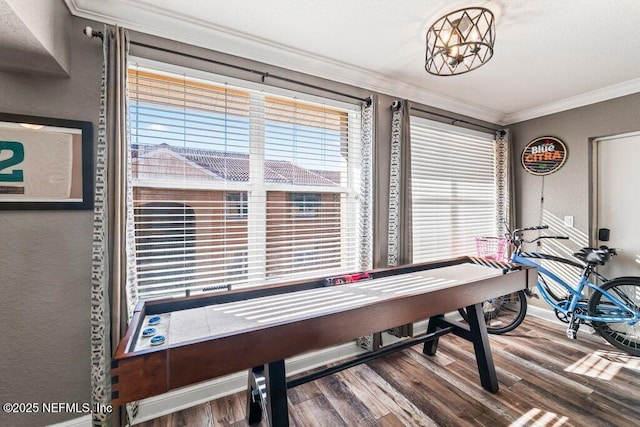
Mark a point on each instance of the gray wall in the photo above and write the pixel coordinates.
(567, 191)
(45, 257)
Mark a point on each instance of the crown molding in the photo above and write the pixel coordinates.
(588, 98)
(158, 22)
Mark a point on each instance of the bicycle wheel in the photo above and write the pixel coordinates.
(502, 314)
(624, 336)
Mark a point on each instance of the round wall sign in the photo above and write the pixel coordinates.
(544, 155)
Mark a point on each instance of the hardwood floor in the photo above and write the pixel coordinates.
(545, 380)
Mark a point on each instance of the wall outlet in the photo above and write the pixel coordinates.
(568, 221)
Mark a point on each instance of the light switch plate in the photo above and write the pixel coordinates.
(568, 221)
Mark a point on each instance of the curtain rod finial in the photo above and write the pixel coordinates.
(91, 33)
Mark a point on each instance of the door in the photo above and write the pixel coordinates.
(618, 201)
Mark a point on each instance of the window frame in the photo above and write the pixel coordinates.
(256, 195)
(302, 206)
(241, 205)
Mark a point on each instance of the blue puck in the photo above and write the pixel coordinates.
(157, 340)
(154, 320)
(149, 332)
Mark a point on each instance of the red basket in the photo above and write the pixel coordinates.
(491, 247)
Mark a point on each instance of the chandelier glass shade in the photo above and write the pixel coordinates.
(460, 41)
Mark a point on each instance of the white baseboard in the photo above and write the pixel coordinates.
(76, 422)
(549, 314)
(543, 313)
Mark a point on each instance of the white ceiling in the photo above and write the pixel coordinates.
(549, 55)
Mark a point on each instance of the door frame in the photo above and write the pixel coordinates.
(593, 182)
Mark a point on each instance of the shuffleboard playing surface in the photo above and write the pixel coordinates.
(236, 317)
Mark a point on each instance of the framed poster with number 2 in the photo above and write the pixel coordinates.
(45, 163)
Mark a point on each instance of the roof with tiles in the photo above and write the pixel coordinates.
(235, 166)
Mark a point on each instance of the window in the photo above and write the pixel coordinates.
(305, 204)
(236, 205)
(272, 181)
(453, 189)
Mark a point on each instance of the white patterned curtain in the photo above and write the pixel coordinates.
(400, 203)
(504, 183)
(400, 249)
(112, 278)
(366, 185)
(366, 194)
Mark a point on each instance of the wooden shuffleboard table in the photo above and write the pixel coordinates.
(173, 343)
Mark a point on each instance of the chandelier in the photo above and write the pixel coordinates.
(460, 41)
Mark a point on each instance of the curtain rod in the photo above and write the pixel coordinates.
(455, 120)
(91, 33)
(263, 74)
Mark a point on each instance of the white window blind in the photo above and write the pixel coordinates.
(453, 189)
(237, 186)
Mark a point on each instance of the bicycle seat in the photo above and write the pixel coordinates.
(595, 256)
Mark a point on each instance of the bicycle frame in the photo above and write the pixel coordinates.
(574, 301)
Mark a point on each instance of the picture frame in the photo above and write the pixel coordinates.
(45, 163)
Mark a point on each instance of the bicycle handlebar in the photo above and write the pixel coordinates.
(535, 227)
(515, 232)
(545, 237)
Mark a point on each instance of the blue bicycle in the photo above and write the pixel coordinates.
(612, 308)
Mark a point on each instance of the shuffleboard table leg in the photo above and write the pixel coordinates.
(267, 395)
(480, 340)
(256, 395)
(430, 347)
